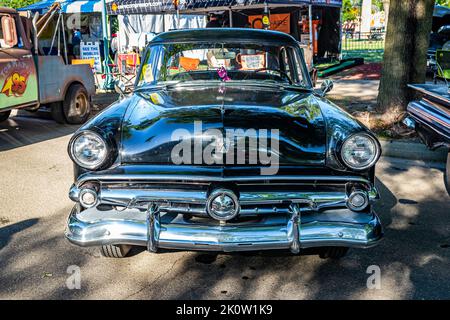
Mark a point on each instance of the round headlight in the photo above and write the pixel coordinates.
(89, 150)
(360, 151)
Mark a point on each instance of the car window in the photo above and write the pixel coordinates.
(299, 65)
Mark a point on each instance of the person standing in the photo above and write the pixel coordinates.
(76, 42)
(214, 21)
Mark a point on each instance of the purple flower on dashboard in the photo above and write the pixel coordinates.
(222, 72)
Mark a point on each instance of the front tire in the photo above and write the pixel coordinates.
(115, 251)
(76, 105)
(333, 252)
(57, 112)
(447, 174)
(4, 115)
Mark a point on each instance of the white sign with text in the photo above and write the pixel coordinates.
(91, 50)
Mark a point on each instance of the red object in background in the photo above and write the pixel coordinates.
(127, 62)
(315, 33)
(367, 71)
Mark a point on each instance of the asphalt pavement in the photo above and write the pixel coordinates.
(35, 175)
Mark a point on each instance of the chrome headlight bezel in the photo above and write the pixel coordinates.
(374, 157)
(93, 135)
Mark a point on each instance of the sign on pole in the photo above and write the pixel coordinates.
(91, 50)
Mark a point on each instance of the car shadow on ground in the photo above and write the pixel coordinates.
(21, 131)
(32, 127)
(8, 231)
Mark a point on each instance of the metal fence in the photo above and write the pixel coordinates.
(369, 46)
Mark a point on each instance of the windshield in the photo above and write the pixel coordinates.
(182, 62)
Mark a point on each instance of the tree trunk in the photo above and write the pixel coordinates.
(404, 62)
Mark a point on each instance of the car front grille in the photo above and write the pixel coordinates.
(255, 197)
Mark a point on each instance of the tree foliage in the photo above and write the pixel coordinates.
(16, 3)
(443, 2)
(351, 9)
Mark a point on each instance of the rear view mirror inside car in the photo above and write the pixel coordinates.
(222, 54)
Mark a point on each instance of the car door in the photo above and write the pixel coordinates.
(18, 77)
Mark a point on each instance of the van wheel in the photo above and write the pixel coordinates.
(57, 112)
(76, 105)
(447, 174)
(115, 251)
(333, 252)
(4, 115)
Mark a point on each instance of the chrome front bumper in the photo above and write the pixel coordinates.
(280, 212)
(340, 227)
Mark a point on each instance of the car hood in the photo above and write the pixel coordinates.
(160, 120)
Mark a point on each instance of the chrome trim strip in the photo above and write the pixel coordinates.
(133, 197)
(429, 114)
(148, 177)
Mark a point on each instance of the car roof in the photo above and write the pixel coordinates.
(225, 35)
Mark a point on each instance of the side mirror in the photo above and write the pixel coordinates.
(9, 31)
(120, 88)
(326, 87)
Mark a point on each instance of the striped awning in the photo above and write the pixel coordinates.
(441, 11)
(67, 6)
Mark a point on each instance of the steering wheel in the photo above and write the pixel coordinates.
(281, 72)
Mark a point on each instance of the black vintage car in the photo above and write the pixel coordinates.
(224, 146)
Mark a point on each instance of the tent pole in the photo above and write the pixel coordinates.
(59, 35)
(311, 40)
(266, 12)
(64, 40)
(106, 70)
(54, 35)
(231, 17)
(341, 23)
(164, 21)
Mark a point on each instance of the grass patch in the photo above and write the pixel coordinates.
(368, 55)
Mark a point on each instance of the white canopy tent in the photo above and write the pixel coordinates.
(136, 30)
